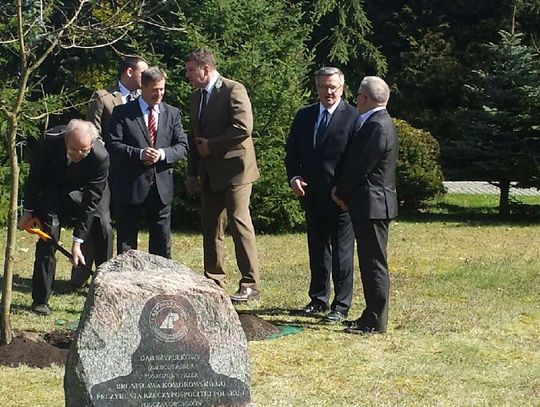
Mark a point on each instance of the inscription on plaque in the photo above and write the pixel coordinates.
(170, 367)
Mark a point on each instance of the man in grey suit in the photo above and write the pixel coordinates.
(367, 188)
(145, 139)
(317, 140)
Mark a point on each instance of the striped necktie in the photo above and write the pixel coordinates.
(152, 125)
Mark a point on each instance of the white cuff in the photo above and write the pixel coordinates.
(293, 178)
(77, 240)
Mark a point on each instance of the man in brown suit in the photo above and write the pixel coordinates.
(222, 159)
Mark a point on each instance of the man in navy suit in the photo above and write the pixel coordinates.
(145, 139)
(317, 140)
(367, 188)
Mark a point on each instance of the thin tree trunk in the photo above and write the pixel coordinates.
(504, 208)
(6, 334)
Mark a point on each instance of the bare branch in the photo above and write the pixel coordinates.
(59, 110)
(101, 45)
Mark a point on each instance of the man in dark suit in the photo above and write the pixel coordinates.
(73, 161)
(367, 187)
(317, 139)
(145, 139)
(222, 157)
(99, 113)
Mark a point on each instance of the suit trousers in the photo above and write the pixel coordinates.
(158, 219)
(231, 204)
(97, 248)
(45, 260)
(331, 252)
(372, 240)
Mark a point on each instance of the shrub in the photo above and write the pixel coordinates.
(419, 174)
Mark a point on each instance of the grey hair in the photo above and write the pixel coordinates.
(81, 125)
(327, 71)
(152, 74)
(375, 88)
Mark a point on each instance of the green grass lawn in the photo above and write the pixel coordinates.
(464, 324)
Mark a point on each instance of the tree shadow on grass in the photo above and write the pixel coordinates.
(24, 285)
(272, 315)
(477, 216)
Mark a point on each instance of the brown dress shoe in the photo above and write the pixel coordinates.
(245, 294)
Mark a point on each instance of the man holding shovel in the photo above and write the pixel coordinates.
(71, 165)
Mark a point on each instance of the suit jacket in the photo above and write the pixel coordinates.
(320, 165)
(128, 136)
(227, 123)
(368, 182)
(101, 107)
(52, 181)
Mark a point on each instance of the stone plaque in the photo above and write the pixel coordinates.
(178, 354)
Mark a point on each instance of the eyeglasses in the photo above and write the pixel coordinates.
(331, 88)
(83, 153)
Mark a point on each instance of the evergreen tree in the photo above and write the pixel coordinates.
(501, 129)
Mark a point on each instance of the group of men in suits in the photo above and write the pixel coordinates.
(141, 139)
(341, 164)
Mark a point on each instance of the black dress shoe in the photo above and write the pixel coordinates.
(333, 317)
(350, 323)
(360, 330)
(245, 294)
(41, 309)
(311, 309)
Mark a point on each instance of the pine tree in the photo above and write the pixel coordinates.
(501, 141)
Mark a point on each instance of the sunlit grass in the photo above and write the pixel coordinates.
(464, 320)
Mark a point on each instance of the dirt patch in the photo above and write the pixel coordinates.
(36, 349)
(257, 328)
(43, 350)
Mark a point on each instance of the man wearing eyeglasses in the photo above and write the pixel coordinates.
(317, 140)
(70, 166)
(367, 188)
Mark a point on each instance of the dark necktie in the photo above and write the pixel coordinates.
(152, 125)
(204, 94)
(323, 125)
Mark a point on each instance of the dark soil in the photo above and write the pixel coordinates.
(43, 350)
(36, 350)
(257, 328)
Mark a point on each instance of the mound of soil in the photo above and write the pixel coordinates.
(257, 328)
(36, 350)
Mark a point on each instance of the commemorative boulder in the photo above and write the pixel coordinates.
(155, 334)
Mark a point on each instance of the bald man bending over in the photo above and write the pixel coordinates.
(68, 176)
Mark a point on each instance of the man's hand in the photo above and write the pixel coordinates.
(202, 146)
(77, 257)
(297, 186)
(28, 221)
(338, 201)
(192, 184)
(150, 156)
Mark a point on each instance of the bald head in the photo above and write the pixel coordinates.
(79, 137)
